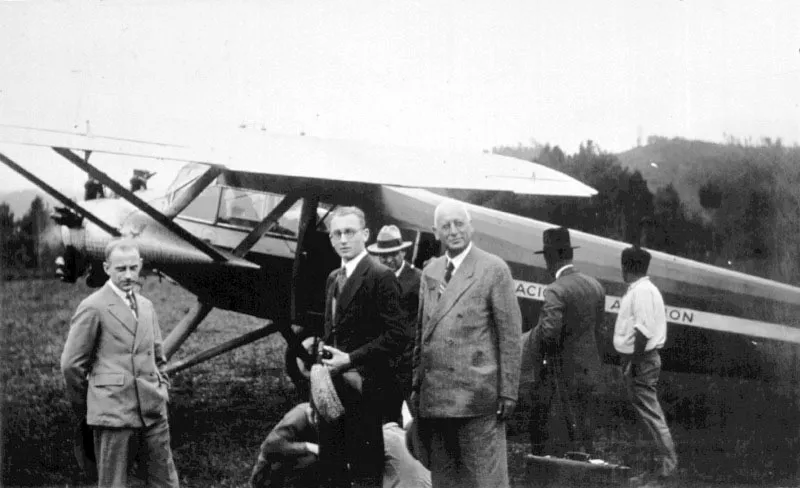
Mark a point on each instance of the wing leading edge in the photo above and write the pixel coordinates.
(311, 157)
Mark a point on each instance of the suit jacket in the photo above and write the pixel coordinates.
(409, 303)
(467, 350)
(110, 362)
(568, 323)
(368, 323)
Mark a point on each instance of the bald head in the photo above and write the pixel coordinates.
(453, 226)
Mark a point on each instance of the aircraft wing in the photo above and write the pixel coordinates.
(311, 157)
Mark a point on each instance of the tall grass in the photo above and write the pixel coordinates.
(727, 430)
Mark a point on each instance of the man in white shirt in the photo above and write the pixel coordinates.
(639, 332)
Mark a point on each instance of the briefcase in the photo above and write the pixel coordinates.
(575, 469)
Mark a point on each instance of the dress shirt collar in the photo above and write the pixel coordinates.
(400, 270)
(350, 266)
(459, 258)
(119, 292)
(638, 282)
(562, 269)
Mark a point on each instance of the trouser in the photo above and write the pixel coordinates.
(117, 448)
(641, 377)
(399, 392)
(351, 450)
(465, 452)
(576, 403)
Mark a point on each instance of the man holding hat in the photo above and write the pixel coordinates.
(566, 359)
(639, 332)
(390, 249)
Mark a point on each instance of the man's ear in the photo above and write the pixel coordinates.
(435, 234)
(106, 267)
(366, 234)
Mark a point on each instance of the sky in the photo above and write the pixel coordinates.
(466, 75)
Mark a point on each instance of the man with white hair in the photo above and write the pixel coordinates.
(466, 358)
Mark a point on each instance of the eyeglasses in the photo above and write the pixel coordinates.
(337, 235)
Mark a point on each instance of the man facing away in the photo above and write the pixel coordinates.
(563, 344)
(639, 333)
(390, 249)
(466, 358)
(364, 331)
(111, 364)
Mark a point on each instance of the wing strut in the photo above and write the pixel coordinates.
(192, 192)
(141, 204)
(252, 238)
(185, 328)
(59, 196)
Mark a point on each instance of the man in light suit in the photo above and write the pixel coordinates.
(390, 249)
(364, 332)
(563, 344)
(466, 358)
(111, 364)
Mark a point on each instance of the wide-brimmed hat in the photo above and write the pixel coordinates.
(388, 241)
(330, 395)
(556, 240)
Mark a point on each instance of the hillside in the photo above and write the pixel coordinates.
(684, 163)
(20, 200)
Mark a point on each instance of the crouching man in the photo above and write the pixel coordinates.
(289, 456)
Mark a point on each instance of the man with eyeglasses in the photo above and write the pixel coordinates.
(364, 331)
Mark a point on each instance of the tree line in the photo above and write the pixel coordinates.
(27, 244)
(748, 217)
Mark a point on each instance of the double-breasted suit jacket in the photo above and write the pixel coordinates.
(110, 362)
(467, 349)
(573, 309)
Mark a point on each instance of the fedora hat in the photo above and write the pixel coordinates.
(331, 396)
(388, 241)
(556, 240)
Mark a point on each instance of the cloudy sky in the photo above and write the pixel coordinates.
(445, 74)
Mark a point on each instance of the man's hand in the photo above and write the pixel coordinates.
(312, 448)
(339, 360)
(505, 407)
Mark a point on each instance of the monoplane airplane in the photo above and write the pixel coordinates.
(243, 227)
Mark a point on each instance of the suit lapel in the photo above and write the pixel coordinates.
(351, 286)
(120, 310)
(143, 324)
(463, 278)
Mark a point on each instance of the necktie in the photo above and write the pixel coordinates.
(449, 272)
(132, 304)
(341, 278)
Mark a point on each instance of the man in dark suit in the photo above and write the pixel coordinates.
(566, 359)
(364, 331)
(390, 249)
(466, 358)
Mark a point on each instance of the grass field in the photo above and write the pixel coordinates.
(221, 410)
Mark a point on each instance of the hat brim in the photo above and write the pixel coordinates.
(542, 251)
(374, 249)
